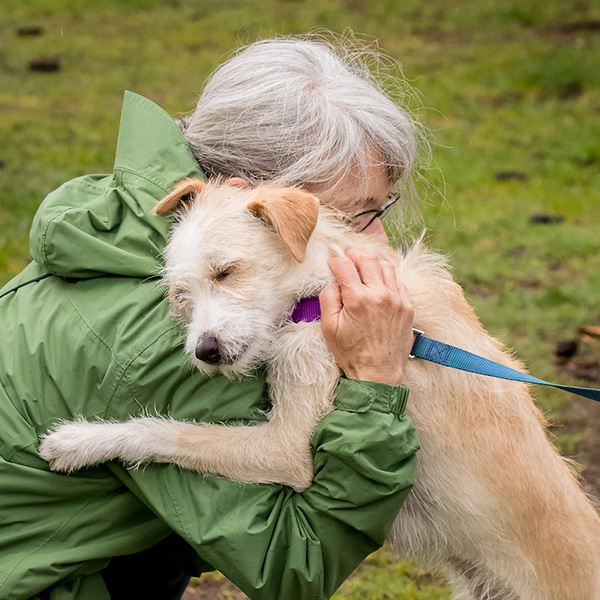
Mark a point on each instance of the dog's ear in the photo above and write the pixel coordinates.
(292, 212)
(182, 191)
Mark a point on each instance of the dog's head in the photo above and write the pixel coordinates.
(235, 264)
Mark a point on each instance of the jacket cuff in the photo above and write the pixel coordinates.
(354, 395)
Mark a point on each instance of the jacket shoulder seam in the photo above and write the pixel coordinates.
(141, 176)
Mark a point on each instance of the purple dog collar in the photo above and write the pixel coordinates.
(307, 310)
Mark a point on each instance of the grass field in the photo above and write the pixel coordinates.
(508, 89)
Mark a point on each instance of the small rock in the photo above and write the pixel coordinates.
(46, 65)
(511, 176)
(566, 349)
(545, 219)
(2, 164)
(30, 30)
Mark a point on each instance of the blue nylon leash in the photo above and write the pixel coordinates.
(456, 358)
(308, 309)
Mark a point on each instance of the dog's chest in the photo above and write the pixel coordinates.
(300, 357)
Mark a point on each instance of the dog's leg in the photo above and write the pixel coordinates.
(277, 451)
(471, 583)
(259, 453)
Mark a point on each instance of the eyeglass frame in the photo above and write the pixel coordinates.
(378, 213)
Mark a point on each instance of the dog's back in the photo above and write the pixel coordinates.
(492, 500)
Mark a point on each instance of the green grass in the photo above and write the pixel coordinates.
(505, 86)
(384, 577)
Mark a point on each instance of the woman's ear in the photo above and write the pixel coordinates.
(181, 193)
(292, 212)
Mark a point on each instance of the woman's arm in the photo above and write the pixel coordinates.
(275, 543)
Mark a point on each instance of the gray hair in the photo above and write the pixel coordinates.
(300, 111)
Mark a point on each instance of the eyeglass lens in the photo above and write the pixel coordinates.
(364, 219)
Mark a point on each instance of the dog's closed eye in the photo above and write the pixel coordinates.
(219, 274)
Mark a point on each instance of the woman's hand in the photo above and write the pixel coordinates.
(367, 317)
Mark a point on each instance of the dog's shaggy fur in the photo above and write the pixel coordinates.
(493, 502)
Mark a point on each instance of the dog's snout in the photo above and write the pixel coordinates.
(207, 350)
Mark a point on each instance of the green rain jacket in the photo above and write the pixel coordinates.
(96, 339)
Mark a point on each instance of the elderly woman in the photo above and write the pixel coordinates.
(86, 331)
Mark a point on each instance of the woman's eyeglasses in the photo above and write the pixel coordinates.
(360, 221)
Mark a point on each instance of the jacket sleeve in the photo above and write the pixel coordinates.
(275, 543)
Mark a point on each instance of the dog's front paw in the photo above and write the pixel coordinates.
(71, 446)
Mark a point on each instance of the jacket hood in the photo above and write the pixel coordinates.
(103, 224)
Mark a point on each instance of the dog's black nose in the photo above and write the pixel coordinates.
(207, 350)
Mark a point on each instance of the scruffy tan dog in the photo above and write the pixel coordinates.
(493, 502)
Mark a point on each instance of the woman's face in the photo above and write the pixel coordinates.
(353, 196)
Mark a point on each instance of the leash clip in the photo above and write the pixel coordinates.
(417, 333)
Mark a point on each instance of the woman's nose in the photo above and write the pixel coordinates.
(376, 228)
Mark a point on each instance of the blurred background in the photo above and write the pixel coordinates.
(509, 91)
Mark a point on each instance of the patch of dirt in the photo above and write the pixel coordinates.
(591, 473)
(582, 417)
(356, 6)
(517, 252)
(511, 176)
(567, 33)
(444, 38)
(529, 284)
(592, 25)
(426, 579)
(545, 219)
(213, 588)
(501, 100)
(30, 30)
(557, 265)
(565, 350)
(45, 64)
(586, 370)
